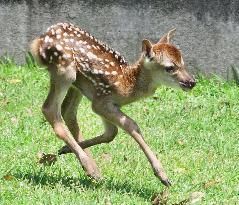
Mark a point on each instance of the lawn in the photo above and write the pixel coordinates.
(195, 134)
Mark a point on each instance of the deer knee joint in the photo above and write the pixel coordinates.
(109, 137)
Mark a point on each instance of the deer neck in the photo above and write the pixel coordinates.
(142, 80)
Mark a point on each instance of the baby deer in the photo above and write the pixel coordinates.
(79, 65)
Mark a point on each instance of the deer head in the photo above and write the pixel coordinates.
(166, 64)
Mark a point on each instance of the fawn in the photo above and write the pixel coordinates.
(80, 65)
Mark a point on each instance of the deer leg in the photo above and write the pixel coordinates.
(52, 111)
(69, 114)
(112, 113)
(110, 132)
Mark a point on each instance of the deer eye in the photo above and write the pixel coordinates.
(169, 69)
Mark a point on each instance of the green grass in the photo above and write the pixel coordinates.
(195, 134)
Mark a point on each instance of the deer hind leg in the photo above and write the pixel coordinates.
(69, 114)
(110, 132)
(60, 83)
(112, 113)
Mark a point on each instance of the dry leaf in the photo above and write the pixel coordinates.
(47, 159)
(14, 120)
(196, 197)
(179, 170)
(40, 155)
(160, 199)
(183, 202)
(145, 109)
(15, 81)
(180, 142)
(210, 183)
(29, 111)
(106, 157)
(8, 177)
(108, 202)
(5, 102)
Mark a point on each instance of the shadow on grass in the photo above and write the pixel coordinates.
(75, 183)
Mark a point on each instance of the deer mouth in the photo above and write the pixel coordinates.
(186, 86)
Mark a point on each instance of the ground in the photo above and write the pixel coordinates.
(195, 134)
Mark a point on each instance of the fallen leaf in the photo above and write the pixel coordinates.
(29, 111)
(210, 183)
(183, 202)
(15, 81)
(47, 159)
(40, 155)
(14, 120)
(160, 199)
(108, 202)
(196, 197)
(106, 157)
(180, 142)
(5, 102)
(8, 177)
(145, 109)
(179, 170)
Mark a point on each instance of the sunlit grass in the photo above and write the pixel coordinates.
(195, 134)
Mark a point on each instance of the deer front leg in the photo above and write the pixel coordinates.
(52, 111)
(69, 113)
(112, 113)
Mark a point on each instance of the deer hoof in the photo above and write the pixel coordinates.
(166, 182)
(64, 150)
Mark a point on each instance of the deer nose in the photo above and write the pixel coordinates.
(192, 82)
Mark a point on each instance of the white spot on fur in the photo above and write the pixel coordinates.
(46, 39)
(114, 72)
(112, 64)
(66, 40)
(90, 55)
(58, 31)
(82, 50)
(59, 47)
(58, 36)
(95, 71)
(67, 48)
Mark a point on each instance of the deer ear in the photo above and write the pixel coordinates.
(147, 48)
(167, 37)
